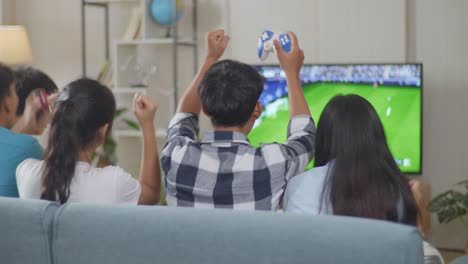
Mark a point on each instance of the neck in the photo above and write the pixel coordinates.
(229, 129)
(22, 126)
(244, 129)
(4, 122)
(86, 155)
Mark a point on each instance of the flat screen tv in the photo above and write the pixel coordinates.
(395, 91)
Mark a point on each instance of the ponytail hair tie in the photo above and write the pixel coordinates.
(63, 96)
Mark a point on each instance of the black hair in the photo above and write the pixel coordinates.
(229, 92)
(7, 78)
(364, 180)
(82, 108)
(29, 79)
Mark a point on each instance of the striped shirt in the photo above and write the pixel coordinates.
(224, 171)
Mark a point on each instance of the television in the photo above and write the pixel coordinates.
(395, 91)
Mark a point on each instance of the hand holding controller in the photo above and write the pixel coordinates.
(265, 43)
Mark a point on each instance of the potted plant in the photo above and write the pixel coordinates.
(452, 205)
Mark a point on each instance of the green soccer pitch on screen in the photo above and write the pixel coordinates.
(395, 91)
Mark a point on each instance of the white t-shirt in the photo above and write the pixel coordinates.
(109, 185)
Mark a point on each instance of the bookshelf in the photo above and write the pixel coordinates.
(174, 60)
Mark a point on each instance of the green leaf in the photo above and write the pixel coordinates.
(465, 182)
(119, 112)
(452, 214)
(446, 215)
(451, 204)
(461, 211)
(438, 202)
(458, 196)
(132, 124)
(465, 200)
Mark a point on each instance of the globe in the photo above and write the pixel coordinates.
(162, 11)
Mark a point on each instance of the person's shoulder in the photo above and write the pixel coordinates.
(29, 167)
(29, 146)
(29, 178)
(109, 170)
(269, 147)
(316, 174)
(25, 141)
(114, 172)
(183, 116)
(272, 153)
(122, 180)
(18, 139)
(303, 192)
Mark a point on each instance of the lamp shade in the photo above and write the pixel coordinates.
(14, 45)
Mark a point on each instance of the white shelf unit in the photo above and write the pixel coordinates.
(109, 1)
(175, 60)
(129, 90)
(169, 41)
(160, 133)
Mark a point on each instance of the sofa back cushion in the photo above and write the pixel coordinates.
(131, 234)
(25, 230)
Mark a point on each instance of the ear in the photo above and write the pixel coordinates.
(204, 112)
(8, 105)
(257, 110)
(102, 132)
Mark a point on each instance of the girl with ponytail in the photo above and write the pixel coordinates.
(83, 116)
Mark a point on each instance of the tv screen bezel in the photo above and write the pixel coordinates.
(379, 64)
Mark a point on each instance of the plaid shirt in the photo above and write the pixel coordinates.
(224, 171)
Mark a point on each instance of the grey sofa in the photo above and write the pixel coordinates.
(42, 232)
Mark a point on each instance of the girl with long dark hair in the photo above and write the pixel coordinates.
(358, 175)
(355, 173)
(83, 117)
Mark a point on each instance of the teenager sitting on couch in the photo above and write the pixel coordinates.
(355, 173)
(223, 169)
(83, 116)
(14, 147)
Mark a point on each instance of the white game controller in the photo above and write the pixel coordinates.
(265, 43)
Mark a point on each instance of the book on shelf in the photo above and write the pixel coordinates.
(105, 74)
(132, 32)
(134, 24)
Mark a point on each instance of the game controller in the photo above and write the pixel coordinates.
(265, 43)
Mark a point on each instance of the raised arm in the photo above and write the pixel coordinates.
(150, 171)
(422, 195)
(291, 62)
(216, 42)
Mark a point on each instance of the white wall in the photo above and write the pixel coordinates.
(328, 30)
(430, 31)
(54, 28)
(54, 31)
(7, 12)
(440, 42)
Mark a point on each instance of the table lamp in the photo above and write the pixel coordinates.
(14, 45)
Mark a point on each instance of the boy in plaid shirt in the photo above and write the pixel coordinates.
(223, 170)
